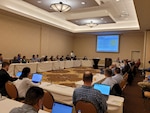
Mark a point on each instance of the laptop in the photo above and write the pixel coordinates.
(18, 74)
(61, 108)
(36, 78)
(104, 89)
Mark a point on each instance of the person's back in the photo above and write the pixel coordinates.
(23, 83)
(109, 80)
(4, 77)
(118, 77)
(87, 93)
(33, 101)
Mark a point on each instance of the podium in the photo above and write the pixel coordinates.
(95, 63)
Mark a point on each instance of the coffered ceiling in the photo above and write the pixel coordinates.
(108, 15)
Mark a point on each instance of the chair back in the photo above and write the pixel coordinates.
(85, 107)
(48, 100)
(11, 90)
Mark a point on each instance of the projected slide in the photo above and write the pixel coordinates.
(108, 43)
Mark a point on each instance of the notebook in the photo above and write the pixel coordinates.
(61, 108)
(104, 89)
(36, 78)
(18, 74)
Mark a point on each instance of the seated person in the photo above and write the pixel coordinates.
(24, 60)
(33, 59)
(118, 77)
(1, 58)
(33, 101)
(61, 58)
(23, 83)
(68, 57)
(37, 58)
(45, 58)
(145, 85)
(112, 67)
(109, 80)
(52, 58)
(15, 60)
(126, 67)
(75, 58)
(5, 77)
(88, 93)
(148, 70)
(85, 58)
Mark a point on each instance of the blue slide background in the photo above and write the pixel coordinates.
(108, 43)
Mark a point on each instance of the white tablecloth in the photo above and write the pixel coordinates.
(55, 65)
(44, 66)
(7, 104)
(64, 94)
(68, 63)
(76, 63)
(61, 64)
(97, 78)
(61, 93)
(20, 66)
(86, 63)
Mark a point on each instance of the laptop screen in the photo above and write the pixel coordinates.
(104, 89)
(18, 74)
(36, 78)
(61, 108)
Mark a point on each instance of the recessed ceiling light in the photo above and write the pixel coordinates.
(117, 0)
(39, 1)
(83, 3)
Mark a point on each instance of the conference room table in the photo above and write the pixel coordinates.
(7, 104)
(97, 78)
(86, 63)
(44, 66)
(64, 94)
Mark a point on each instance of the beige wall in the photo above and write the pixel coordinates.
(86, 45)
(147, 49)
(28, 37)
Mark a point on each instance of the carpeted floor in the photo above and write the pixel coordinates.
(67, 77)
(134, 103)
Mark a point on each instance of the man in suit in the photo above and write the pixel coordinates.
(4, 77)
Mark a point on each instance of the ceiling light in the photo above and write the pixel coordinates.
(83, 3)
(39, 1)
(60, 7)
(91, 24)
(117, 0)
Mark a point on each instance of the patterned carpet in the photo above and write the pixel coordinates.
(67, 77)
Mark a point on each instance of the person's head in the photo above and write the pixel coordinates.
(25, 72)
(37, 55)
(33, 56)
(34, 97)
(149, 62)
(5, 66)
(15, 58)
(117, 70)
(19, 55)
(108, 72)
(87, 78)
(24, 57)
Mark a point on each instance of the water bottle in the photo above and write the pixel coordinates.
(79, 111)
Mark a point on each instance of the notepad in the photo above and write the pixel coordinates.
(61, 108)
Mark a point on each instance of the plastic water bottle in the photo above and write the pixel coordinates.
(79, 111)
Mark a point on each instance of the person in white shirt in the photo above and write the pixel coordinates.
(72, 54)
(24, 83)
(109, 80)
(118, 77)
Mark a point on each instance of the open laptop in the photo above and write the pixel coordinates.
(18, 74)
(36, 78)
(61, 108)
(104, 89)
